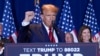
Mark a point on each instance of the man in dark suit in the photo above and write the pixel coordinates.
(39, 33)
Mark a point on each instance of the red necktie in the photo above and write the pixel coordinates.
(51, 36)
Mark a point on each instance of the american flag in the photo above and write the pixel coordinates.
(66, 20)
(91, 20)
(37, 18)
(9, 29)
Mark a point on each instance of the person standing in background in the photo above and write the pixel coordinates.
(69, 38)
(85, 35)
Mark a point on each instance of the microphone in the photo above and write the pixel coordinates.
(53, 22)
(53, 25)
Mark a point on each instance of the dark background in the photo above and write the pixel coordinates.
(78, 8)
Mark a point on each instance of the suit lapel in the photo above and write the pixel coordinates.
(44, 33)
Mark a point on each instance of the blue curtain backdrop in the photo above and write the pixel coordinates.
(78, 9)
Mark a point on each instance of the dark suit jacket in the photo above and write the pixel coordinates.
(36, 33)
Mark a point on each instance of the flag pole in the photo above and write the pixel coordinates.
(91, 0)
(36, 1)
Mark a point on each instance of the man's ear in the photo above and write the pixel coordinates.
(41, 16)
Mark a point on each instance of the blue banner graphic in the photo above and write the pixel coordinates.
(49, 49)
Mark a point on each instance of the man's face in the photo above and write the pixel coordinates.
(48, 17)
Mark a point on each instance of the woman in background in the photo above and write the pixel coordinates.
(69, 38)
(85, 35)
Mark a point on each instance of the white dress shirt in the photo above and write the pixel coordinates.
(54, 33)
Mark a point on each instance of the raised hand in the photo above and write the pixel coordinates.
(29, 15)
(94, 40)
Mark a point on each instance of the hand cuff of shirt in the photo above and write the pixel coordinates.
(25, 23)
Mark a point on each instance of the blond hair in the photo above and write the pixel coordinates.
(50, 7)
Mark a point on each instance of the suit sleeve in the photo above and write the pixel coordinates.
(24, 34)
